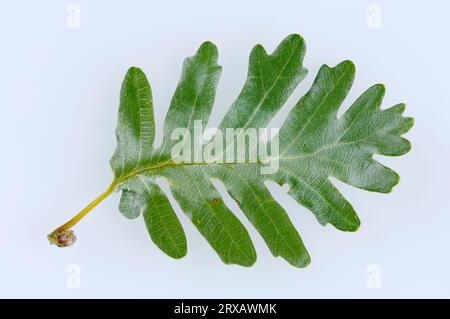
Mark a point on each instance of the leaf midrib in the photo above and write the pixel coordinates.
(168, 164)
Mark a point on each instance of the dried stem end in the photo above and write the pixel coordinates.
(64, 238)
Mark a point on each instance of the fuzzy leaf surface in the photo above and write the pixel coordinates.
(314, 144)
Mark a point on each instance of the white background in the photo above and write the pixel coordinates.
(59, 98)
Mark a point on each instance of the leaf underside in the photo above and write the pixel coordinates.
(314, 145)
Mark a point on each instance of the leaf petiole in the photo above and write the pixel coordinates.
(63, 236)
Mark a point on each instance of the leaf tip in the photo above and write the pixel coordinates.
(352, 224)
(345, 68)
(258, 50)
(379, 88)
(409, 123)
(134, 70)
(178, 254)
(396, 176)
(250, 262)
(247, 260)
(391, 181)
(302, 261)
(408, 145)
(208, 50)
(294, 38)
(347, 64)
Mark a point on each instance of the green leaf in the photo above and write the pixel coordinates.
(314, 145)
